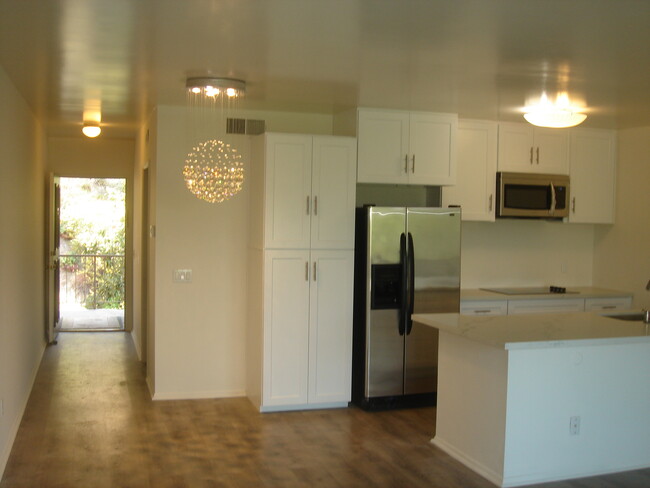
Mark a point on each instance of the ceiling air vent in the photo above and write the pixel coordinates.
(245, 126)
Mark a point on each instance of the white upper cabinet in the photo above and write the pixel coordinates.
(288, 191)
(333, 190)
(309, 192)
(524, 148)
(475, 186)
(406, 147)
(593, 176)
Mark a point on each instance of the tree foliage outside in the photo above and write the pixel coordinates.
(92, 240)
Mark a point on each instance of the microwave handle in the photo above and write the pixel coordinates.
(553, 200)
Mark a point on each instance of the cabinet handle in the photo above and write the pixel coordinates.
(406, 163)
(316, 205)
(573, 204)
(537, 154)
(608, 307)
(413, 164)
(482, 311)
(490, 203)
(531, 154)
(314, 270)
(306, 270)
(307, 205)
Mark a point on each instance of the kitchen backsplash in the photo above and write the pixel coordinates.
(526, 253)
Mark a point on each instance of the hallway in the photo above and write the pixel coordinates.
(90, 423)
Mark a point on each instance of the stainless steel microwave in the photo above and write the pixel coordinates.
(532, 195)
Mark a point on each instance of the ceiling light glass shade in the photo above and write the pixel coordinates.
(213, 171)
(91, 130)
(555, 118)
(557, 115)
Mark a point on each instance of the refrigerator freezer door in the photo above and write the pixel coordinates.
(384, 343)
(435, 237)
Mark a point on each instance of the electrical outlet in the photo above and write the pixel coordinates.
(574, 425)
(182, 276)
(2, 408)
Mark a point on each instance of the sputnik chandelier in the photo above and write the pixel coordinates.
(213, 169)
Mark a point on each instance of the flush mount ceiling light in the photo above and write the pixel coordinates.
(91, 130)
(216, 87)
(213, 169)
(558, 114)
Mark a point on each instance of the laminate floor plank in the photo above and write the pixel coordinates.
(90, 422)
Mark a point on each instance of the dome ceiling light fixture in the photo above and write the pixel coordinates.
(213, 169)
(91, 130)
(558, 114)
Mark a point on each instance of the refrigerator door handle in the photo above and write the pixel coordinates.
(401, 324)
(411, 284)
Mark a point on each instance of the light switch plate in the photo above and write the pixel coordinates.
(182, 276)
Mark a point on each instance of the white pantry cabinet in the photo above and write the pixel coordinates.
(309, 189)
(527, 149)
(476, 168)
(406, 147)
(593, 176)
(299, 340)
(307, 329)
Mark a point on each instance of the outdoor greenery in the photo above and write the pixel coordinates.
(92, 240)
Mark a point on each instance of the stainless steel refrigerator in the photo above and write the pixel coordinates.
(407, 260)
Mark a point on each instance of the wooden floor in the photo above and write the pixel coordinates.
(90, 423)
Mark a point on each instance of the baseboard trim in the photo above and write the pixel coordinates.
(135, 339)
(468, 461)
(13, 431)
(197, 395)
(306, 406)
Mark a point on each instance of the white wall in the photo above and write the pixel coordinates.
(526, 253)
(622, 251)
(200, 326)
(22, 257)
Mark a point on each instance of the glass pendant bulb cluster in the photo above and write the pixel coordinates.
(213, 170)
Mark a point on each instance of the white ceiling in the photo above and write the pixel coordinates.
(479, 58)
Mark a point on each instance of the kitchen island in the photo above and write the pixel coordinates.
(530, 398)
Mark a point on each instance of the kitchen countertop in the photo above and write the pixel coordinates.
(582, 292)
(528, 331)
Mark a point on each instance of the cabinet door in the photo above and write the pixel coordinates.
(547, 305)
(516, 148)
(286, 328)
(330, 343)
(288, 191)
(383, 146)
(476, 171)
(432, 149)
(333, 192)
(551, 151)
(484, 307)
(593, 176)
(608, 303)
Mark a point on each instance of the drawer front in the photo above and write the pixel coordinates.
(619, 303)
(487, 307)
(545, 306)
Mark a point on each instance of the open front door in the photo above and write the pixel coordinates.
(53, 316)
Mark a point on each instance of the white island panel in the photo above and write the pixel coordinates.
(607, 387)
(508, 387)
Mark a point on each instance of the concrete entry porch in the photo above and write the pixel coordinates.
(79, 320)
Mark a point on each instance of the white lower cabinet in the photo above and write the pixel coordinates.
(484, 307)
(618, 303)
(542, 306)
(307, 329)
